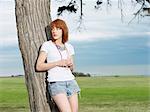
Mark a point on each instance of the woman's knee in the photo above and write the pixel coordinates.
(74, 102)
(62, 102)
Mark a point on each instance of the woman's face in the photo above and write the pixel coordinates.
(56, 33)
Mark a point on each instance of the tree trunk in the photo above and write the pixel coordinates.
(32, 17)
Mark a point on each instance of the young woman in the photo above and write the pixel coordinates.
(62, 86)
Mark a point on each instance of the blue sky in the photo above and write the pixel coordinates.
(104, 46)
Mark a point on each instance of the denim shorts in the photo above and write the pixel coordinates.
(68, 87)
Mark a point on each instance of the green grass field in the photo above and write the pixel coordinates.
(99, 94)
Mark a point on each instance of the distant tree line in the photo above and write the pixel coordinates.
(17, 75)
(76, 74)
(80, 74)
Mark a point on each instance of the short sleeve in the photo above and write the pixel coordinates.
(44, 47)
(71, 49)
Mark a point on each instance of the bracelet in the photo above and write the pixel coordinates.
(56, 64)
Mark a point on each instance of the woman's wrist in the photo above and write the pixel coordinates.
(56, 63)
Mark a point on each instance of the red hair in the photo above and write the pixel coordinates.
(58, 23)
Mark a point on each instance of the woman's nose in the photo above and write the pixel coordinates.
(54, 30)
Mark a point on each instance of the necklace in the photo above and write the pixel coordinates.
(61, 48)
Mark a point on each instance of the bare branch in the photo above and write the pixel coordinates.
(71, 7)
(98, 4)
(120, 6)
(80, 25)
(141, 10)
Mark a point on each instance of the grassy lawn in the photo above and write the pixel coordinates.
(115, 94)
(99, 94)
(13, 95)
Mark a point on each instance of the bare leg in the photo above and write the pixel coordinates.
(74, 102)
(62, 102)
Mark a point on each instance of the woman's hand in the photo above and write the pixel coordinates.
(65, 62)
(69, 62)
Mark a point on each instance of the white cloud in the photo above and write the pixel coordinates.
(148, 33)
(99, 27)
(8, 40)
(148, 44)
(84, 36)
(100, 24)
(7, 58)
(8, 32)
(94, 36)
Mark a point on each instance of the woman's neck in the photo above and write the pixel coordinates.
(58, 42)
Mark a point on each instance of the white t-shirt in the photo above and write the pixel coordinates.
(53, 54)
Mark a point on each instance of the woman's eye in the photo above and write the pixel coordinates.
(58, 28)
(55, 29)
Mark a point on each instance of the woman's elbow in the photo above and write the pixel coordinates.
(38, 67)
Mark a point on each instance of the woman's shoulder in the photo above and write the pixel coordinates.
(68, 44)
(49, 42)
(70, 48)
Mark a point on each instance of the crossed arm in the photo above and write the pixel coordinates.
(42, 66)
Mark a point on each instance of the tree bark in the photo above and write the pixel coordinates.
(32, 17)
